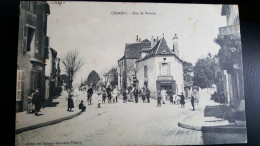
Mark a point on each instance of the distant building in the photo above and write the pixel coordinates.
(111, 77)
(52, 75)
(33, 44)
(160, 67)
(151, 64)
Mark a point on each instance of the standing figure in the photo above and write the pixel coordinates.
(70, 103)
(163, 94)
(99, 98)
(192, 102)
(222, 97)
(81, 106)
(31, 98)
(171, 97)
(109, 90)
(104, 96)
(143, 95)
(136, 95)
(159, 98)
(182, 101)
(114, 94)
(37, 99)
(89, 94)
(124, 96)
(148, 95)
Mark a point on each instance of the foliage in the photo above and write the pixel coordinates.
(204, 72)
(187, 70)
(93, 79)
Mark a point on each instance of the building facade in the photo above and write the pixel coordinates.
(160, 67)
(33, 44)
(230, 56)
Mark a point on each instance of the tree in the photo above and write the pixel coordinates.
(204, 72)
(71, 64)
(93, 79)
(187, 70)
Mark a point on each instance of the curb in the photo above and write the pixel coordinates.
(223, 128)
(17, 131)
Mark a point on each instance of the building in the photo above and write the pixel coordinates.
(32, 50)
(52, 75)
(230, 57)
(126, 65)
(160, 67)
(111, 77)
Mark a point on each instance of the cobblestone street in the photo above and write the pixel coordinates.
(118, 124)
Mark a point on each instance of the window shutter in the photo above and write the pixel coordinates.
(169, 69)
(19, 85)
(25, 34)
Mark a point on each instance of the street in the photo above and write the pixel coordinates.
(118, 124)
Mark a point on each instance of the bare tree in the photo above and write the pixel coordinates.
(71, 64)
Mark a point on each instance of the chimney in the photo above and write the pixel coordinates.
(175, 45)
(136, 38)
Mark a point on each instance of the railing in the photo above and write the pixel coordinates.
(164, 77)
(234, 29)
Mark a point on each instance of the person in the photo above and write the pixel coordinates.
(89, 94)
(182, 101)
(114, 95)
(81, 106)
(29, 106)
(99, 100)
(33, 105)
(148, 95)
(109, 90)
(136, 95)
(104, 96)
(159, 98)
(124, 96)
(163, 94)
(171, 97)
(192, 102)
(37, 99)
(143, 95)
(70, 103)
(222, 97)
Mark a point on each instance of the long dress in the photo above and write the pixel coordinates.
(163, 95)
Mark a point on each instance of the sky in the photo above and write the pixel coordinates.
(100, 36)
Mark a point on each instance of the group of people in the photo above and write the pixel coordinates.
(35, 102)
(131, 92)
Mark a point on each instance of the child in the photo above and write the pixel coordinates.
(30, 106)
(104, 96)
(82, 107)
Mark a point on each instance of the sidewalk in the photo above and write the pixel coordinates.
(202, 118)
(55, 113)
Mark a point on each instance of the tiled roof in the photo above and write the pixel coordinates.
(133, 50)
(160, 48)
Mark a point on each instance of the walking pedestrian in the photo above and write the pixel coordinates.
(192, 102)
(182, 101)
(136, 95)
(159, 98)
(89, 94)
(37, 99)
(171, 97)
(109, 90)
(148, 95)
(163, 94)
(104, 96)
(82, 106)
(70, 103)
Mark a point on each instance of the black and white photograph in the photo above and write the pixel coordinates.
(129, 73)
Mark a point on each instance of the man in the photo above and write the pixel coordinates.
(136, 95)
(109, 90)
(148, 95)
(89, 94)
(192, 102)
(182, 101)
(37, 99)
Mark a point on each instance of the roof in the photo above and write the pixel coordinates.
(112, 72)
(121, 58)
(160, 48)
(132, 51)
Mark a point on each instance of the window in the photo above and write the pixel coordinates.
(145, 72)
(19, 85)
(31, 7)
(165, 69)
(29, 39)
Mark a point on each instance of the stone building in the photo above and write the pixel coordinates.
(33, 44)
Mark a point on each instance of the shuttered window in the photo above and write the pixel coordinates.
(165, 69)
(19, 85)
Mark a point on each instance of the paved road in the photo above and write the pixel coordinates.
(118, 124)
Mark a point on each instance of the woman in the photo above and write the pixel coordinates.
(163, 94)
(70, 103)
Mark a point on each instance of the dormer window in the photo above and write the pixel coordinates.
(164, 52)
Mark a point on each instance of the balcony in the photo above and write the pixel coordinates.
(163, 78)
(228, 30)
